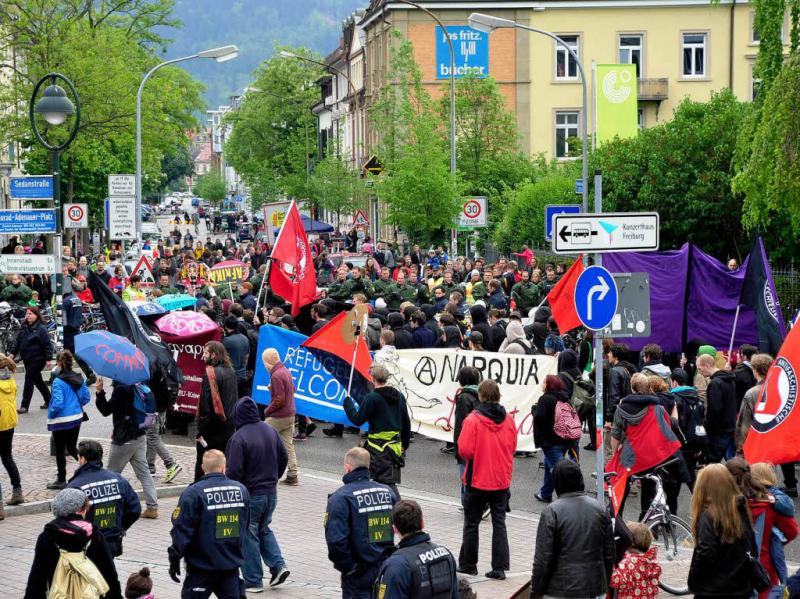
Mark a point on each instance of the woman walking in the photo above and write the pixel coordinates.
(65, 414)
(34, 347)
(8, 422)
(723, 538)
(544, 435)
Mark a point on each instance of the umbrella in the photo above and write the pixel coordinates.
(176, 301)
(230, 271)
(186, 323)
(113, 356)
(147, 308)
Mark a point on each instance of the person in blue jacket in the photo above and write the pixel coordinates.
(207, 532)
(417, 569)
(114, 505)
(65, 414)
(358, 525)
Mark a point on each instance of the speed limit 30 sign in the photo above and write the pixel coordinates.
(473, 212)
(76, 216)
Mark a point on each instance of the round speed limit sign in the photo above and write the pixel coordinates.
(472, 209)
(76, 216)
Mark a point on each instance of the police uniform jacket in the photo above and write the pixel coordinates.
(358, 522)
(115, 505)
(418, 569)
(209, 523)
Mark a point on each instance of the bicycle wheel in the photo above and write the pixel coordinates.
(674, 543)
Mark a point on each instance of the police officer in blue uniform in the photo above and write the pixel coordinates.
(358, 525)
(207, 531)
(114, 504)
(417, 569)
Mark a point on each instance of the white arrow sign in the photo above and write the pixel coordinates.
(605, 232)
(600, 290)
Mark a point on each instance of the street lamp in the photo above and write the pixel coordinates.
(453, 243)
(487, 24)
(55, 107)
(221, 54)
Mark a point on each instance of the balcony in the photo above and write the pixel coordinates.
(653, 90)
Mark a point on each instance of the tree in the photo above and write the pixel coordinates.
(334, 187)
(176, 166)
(272, 141)
(211, 187)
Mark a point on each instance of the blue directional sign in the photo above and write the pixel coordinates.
(31, 188)
(553, 209)
(471, 51)
(27, 221)
(579, 186)
(596, 298)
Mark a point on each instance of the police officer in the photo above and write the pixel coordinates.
(417, 569)
(207, 529)
(358, 525)
(114, 505)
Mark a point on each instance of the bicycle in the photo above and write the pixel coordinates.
(10, 327)
(672, 536)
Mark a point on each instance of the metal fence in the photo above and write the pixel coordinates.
(787, 285)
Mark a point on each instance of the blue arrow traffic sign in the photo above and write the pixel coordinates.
(551, 210)
(596, 298)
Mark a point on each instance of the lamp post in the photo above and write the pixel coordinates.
(453, 242)
(221, 54)
(55, 108)
(487, 24)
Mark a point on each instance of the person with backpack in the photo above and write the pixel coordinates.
(128, 437)
(165, 398)
(71, 556)
(515, 341)
(466, 401)
(65, 414)
(556, 429)
(691, 414)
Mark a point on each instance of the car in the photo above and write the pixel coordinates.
(350, 258)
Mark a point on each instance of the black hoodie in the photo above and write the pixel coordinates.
(568, 365)
(73, 379)
(63, 533)
(479, 321)
(384, 409)
(721, 403)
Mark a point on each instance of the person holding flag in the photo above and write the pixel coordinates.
(292, 274)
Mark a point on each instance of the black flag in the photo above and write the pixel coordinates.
(759, 293)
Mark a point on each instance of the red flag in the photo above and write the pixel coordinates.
(774, 435)
(291, 274)
(562, 298)
(335, 347)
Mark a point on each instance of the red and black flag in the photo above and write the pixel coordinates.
(758, 292)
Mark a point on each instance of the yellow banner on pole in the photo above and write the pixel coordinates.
(616, 102)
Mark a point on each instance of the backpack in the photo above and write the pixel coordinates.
(76, 577)
(583, 395)
(144, 405)
(691, 419)
(567, 425)
(528, 349)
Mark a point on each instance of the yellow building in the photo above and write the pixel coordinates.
(684, 48)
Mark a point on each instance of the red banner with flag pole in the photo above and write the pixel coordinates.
(291, 274)
(562, 298)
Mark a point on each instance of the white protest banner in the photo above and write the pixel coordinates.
(428, 379)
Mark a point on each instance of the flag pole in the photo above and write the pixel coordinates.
(270, 258)
(355, 352)
(733, 333)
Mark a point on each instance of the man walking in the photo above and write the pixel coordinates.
(384, 409)
(280, 412)
(358, 525)
(257, 459)
(238, 348)
(720, 409)
(207, 531)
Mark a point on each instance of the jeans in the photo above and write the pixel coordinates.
(461, 467)
(135, 452)
(7, 457)
(552, 455)
(33, 378)
(260, 542)
(789, 477)
(717, 447)
(65, 440)
(285, 429)
(474, 504)
(156, 446)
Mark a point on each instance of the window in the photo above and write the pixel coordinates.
(566, 127)
(630, 51)
(640, 118)
(694, 54)
(755, 83)
(566, 66)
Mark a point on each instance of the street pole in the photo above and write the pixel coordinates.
(598, 363)
(453, 232)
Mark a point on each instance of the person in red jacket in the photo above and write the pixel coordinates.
(487, 443)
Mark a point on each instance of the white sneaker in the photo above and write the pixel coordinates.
(254, 590)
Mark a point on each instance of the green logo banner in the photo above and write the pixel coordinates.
(616, 101)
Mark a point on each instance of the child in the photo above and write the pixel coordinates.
(140, 585)
(764, 474)
(8, 422)
(637, 574)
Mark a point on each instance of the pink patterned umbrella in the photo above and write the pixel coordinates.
(186, 323)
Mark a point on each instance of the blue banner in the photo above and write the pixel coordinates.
(31, 188)
(471, 52)
(317, 392)
(27, 221)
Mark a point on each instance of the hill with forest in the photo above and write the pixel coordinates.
(256, 26)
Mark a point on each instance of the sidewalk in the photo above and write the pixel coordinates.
(298, 525)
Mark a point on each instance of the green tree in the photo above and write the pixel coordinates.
(273, 133)
(176, 166)
(334, 187)
(211, 187)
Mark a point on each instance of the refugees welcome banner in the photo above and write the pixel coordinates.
(427, 378)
